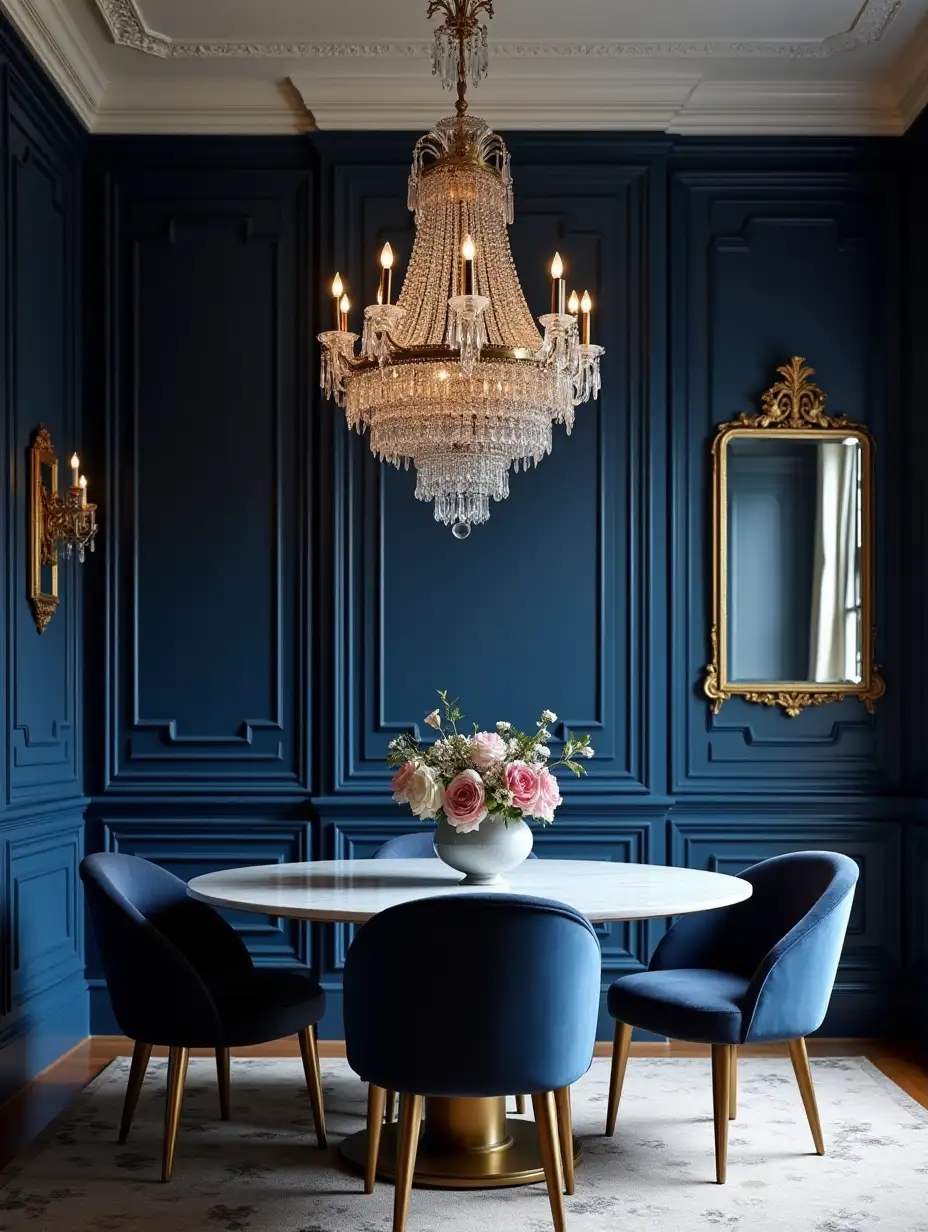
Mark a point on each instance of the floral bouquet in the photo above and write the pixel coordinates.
(463, 779)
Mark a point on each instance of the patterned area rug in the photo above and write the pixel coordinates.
(261, 1172)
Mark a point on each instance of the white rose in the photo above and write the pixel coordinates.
(424, 793)
(548, 716)
(586, 751)
(542, 751)
(503, 726)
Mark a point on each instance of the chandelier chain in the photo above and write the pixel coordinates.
(461, 22)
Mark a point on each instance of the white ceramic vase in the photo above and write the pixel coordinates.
(487, 854)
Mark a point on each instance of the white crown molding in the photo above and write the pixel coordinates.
(128, 29)
(256, 108)
(57, 44)
(675, 103)
(909, 78)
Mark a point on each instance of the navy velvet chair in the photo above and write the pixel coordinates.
(761, 971)
(180, 976)
(517, 978)
(418, 846)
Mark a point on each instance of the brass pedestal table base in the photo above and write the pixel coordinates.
(464, 1144)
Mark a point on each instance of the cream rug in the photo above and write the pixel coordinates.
(261, 1172)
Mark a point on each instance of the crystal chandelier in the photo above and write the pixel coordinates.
(455, 376)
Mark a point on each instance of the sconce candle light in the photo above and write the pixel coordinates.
(67, 522)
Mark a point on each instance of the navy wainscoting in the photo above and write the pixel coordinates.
(276, 605)
(43, 993)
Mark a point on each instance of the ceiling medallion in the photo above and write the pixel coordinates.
(455, 377)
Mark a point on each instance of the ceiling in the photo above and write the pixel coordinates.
(681, 66)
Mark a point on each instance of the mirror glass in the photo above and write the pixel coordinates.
(794, 534)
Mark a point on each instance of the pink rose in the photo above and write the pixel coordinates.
(548, 797)
(401, 781)
(465, 802)
(486, 748)
(522, 781)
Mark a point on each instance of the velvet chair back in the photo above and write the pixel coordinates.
(160, 949)
(786, 939)
(473, 995)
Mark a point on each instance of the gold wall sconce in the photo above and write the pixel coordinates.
(55, 523)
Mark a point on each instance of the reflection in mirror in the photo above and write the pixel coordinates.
(794, 557)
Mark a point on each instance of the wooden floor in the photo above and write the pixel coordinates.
(24, 1117)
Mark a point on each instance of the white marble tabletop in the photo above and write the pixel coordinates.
(355, 890)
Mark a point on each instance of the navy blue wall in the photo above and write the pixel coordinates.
(43, 994)
(276, 605)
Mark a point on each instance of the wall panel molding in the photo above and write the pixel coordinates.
(743, 243)
(250, 245)
(605, 222)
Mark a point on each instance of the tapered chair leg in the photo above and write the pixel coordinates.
(721, 1103)
(376, 1099)
(733, 1086)
(800, 1059)
(407, 1147)
(620, 1046)
(546, 1120)
(566, 1133)
(141, 1054)
(309, 1051)
(177, 1074)
(223, 1065)
(520, 1105)
(391, 1107)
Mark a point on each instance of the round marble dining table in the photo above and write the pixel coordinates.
(466, 1143)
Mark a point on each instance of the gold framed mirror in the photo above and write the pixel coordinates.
(792, 554)
(43, 555)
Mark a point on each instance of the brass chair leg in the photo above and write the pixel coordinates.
(141, 1053)
(391, 1107)
(407, 1146)
(376, 1098)
(177, 1074)
(223, 1075)
(520, 1105)
(721, 1102)
(309, 1051)
(566, 1131)
(546, 1120)
(620, 1046)
(800, 1059)
(733, 1087)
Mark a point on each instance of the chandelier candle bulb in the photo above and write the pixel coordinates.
(468, 258)
(385, 293)
(345, 307)
(573, 304)
(83, 486)
(337, 290)
(586, 307)
(557, 284)
(75, 469)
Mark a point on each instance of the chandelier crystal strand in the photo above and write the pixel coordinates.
(455, 377)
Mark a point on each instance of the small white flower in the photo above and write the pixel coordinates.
(585, 751)
(503, 726)
(543, 734)
(434, 720)
(542, 750)
(548, 716)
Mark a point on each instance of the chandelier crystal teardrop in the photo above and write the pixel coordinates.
(455, 376)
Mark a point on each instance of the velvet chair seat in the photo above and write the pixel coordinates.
(265, 1004)
(699, 1005)
(180, 976)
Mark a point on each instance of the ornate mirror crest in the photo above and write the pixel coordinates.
(792, 554)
